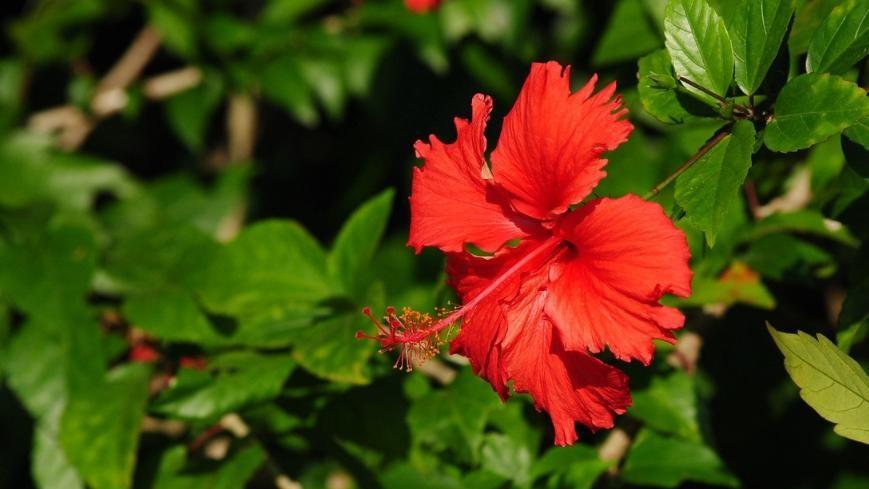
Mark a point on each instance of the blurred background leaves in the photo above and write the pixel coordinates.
(197, 198)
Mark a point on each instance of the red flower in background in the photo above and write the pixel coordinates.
(578, 281)
(421, 6)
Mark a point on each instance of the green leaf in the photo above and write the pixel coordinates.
(658, 93)
(173, 315)
(356, 243)
(402, 476)
(283, 82)
(658, 461)
(175, 472)
(234, 380)
(707, 189)
(830, 381)
(99, 430)
(854, 317)
(50, 466)
(47, 274)
(31, 171)
(859, 133)
(628, 35)
(153, 258)
(813, 107)
(757, 28)
(269, 265)
(189, 112)
(842, 39)
(809, 18)
(801, 222)
(780, 256)
(453, 418)
(502, 456)
(699, 45)
(669, 405)
(576, 466)
(329, 350)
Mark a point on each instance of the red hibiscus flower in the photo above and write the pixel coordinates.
(421, 6)
(581, 278)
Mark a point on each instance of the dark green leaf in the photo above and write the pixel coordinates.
(842, 39)
(813, 107)
(802, 222)
(173, 315)
(853, 320)
(707, 189)
(699, 45)
(830, 381)
(190, 111)
(628, 35)
(757, 28)
(175, 472)
(577, 466)
(658, 461)
(284, 83)
(453, 417)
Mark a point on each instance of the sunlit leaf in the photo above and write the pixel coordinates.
(830, 381)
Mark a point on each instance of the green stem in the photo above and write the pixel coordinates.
(699, 154)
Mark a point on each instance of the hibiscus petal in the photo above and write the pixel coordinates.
(572, 386)
(451, 203)
(548, 155)
(507, 337)
(627, 255)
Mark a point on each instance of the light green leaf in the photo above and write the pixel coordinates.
(658, 461)
(669, 405)
(32, 171)
(811, 108)
(830, 381)
(757, 28)
(50, 466)
(270, 263)
(357, 241)
(842, 39)
(699, 45)
(234, 380)
(628, 35)
(707, 189)
(503, 456)
(99, 430)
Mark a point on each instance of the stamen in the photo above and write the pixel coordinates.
(415, 335)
